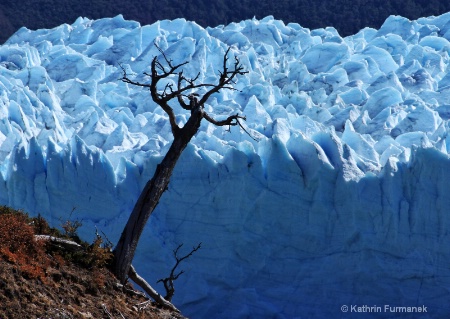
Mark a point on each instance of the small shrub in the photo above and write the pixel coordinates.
(71, 228)
(18, 246)
(96, 255)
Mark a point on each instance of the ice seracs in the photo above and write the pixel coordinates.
(338, 189)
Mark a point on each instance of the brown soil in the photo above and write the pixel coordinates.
(71, 292)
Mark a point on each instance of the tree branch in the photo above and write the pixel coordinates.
(231, 120)
(126, 79)
(160, 99)
(226, 77)
(168, 282)
(149, 290)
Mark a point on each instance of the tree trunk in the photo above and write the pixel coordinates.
(149, 198)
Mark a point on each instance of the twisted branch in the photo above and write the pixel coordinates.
(168, 282)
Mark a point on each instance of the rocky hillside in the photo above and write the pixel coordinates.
(42, 281)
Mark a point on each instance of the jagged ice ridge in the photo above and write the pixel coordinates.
(338, 195)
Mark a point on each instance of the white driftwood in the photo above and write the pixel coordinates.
(149, 290)
(67, 244)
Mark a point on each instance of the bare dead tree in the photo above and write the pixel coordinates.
(153, 190)
(168, 281)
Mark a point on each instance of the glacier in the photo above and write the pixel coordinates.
(338, 195)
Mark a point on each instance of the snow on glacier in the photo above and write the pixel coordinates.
(336, 196)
